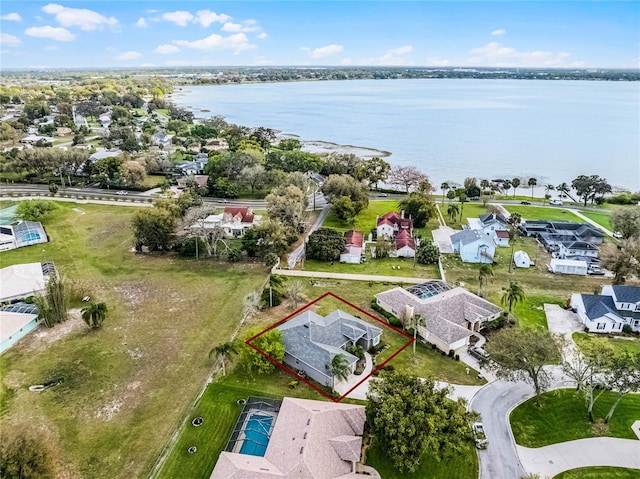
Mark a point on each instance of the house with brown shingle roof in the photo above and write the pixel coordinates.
(451, 315)
(310, 440)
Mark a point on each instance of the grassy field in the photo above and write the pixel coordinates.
(603, 219)
(542, 213)
(470, 210)
(118, 405)
(563, 417)
(377, 266)
(618, 345)
(600, 473)
(455, 466)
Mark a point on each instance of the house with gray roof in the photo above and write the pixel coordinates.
(474, 246)
(610, 311)
(309, 440)
(451, 315)
(311, 341)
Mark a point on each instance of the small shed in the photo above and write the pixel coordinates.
(521, 259)
(568, 266)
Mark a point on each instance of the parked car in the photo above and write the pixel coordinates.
(479, 435)
(478, 353)
(122, 193)
(556, 202)
(525, 202)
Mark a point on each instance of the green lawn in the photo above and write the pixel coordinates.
(631, 345)
(563, 417)
(469, 210)
(365, 221)
(600, 473)
(603, 219)
(377, 266)
(129, 385)
(542, 213)
(456, 466)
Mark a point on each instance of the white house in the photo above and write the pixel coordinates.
(353, 248)
(494, 225)
(568, 266)
(474, 246)
(234, 221)
(521, 259)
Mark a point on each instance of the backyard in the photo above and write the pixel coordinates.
(629, 344)
(118, 406)
(563, 417)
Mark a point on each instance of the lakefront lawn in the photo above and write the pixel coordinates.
(563, 417)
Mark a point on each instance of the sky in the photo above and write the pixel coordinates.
(543, 34)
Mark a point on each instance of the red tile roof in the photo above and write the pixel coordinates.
(355, 238)
(404, 239)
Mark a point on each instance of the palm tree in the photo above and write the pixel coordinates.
(506, 186)
(485, 273)
(452, 211)
(416, 321)
(547, 189)
(515, 183)
(532, 182)
(444, 186)
(512, 295)
(94, 314)
(340, 368)
(221, 351)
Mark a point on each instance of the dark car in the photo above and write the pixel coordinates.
(525, 202)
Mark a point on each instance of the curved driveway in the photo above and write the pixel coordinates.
(494, 401)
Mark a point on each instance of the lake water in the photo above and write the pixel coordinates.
(451, 129)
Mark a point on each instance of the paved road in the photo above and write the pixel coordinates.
(493, 402)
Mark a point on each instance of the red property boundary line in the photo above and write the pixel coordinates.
(249, 342)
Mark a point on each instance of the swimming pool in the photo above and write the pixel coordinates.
(257, 432)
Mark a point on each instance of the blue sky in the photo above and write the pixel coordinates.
(587, 34)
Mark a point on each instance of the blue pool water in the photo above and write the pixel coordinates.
(257, 432)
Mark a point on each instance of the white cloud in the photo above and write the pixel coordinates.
(142, 22)
(246, 26)
(262, 36)
(130, 55)
(51, 48)
(325, 51)
(207, 17)
(393, 57)
(500, 31)
(180, 17)
(6, 39)
(55, 33)
(80, 17)
(166, 49)
(494, 54)
(11, 17)
(237, 42)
